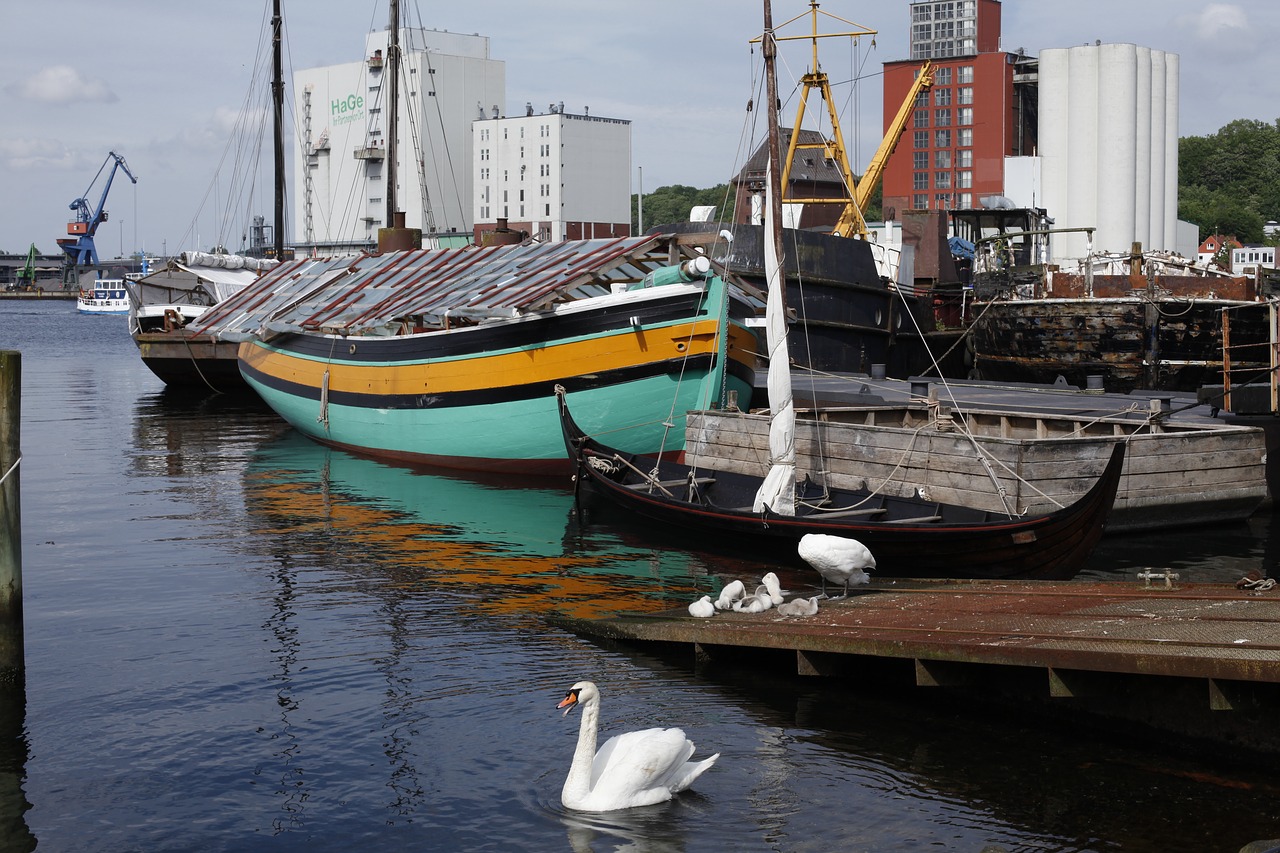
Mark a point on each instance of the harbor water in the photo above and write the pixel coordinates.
(239, 640)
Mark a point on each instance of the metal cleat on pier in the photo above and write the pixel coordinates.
(1149, 575)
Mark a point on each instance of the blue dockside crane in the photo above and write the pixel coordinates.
(79, 246)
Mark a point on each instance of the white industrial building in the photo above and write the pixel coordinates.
(1108, 148)
(447, 80)
(555, 175)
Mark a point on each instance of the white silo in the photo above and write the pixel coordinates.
(1172, 64)
(1052, 129)
(1143, 152)
(1081, 204)
(1117, 169)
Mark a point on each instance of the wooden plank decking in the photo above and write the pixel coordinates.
(1172, 658)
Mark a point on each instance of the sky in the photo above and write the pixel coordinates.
(162, 83)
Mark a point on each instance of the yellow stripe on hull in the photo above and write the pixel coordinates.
(479, 372)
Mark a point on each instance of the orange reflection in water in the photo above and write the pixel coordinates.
(520, 555)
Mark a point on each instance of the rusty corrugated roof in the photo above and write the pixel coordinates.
(349, 295)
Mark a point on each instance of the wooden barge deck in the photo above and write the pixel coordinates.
(1201, 660)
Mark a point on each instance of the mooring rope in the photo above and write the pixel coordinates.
(12, 468)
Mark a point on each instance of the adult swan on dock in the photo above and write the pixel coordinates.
(631, 769)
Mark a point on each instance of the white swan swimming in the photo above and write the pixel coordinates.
(799, 607)
(631, 769)
(837, 558)
(702, 608)
(730, 594)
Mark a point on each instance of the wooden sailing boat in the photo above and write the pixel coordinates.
(910, 536)
(450, 356)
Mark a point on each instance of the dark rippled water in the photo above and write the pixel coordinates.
(237, 640)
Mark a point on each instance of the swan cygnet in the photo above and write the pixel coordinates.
(632, 769)
(837, 558)
(799, 607)
(702, 608)
(757, 602)
(730, 594)
(774, 586)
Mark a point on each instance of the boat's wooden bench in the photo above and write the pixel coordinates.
(666, 484)
(847, 513)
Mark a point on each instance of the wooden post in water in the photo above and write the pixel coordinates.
(11, 651)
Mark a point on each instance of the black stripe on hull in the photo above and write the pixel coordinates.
(501, 336)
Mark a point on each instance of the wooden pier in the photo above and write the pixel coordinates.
(1198, 660)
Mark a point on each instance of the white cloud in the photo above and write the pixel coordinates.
(38, 154)
(61, 84)
(1221, 20)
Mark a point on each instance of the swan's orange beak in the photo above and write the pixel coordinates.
(569, 702)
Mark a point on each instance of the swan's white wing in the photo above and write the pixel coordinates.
(640, 768)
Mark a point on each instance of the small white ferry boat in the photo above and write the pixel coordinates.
(107, 296)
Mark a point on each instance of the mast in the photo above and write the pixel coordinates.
(393, 108)
(777, 492)
(277, 101)
(769, 48)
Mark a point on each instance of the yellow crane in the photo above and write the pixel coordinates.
(851, 222)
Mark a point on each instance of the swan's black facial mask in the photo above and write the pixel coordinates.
(569, 703)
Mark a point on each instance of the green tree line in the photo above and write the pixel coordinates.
(1229, 181)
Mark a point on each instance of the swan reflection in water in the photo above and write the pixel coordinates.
(649, 829)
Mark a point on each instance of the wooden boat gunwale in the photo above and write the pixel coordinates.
(939, 540)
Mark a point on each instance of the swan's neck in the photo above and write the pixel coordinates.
(578, 783)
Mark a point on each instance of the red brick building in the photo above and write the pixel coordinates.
(980, 109)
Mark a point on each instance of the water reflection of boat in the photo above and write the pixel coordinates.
(498, 543)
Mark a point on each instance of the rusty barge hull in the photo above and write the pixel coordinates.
(189, 361)
(1163, 338)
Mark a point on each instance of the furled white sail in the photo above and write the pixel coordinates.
(778, 490)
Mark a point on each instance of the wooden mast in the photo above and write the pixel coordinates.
(277, 100)
(769, 48)
(393, 108)
(394, 236)
(777, 491)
